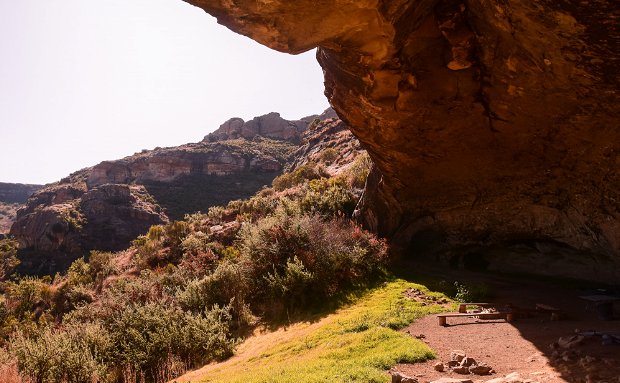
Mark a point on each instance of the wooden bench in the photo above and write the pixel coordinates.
(508, 316)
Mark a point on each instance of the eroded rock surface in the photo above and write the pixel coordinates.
(270, 125)
(493, 124)
(72, 220)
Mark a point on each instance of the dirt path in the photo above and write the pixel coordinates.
(523, 346)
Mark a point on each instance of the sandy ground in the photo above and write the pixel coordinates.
(523, 346)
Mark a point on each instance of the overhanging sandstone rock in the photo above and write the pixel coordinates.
(493, 124)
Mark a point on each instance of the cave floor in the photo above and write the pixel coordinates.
(523, 346)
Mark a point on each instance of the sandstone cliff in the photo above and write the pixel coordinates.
(16, 193)
(12, 196)
(270, 126)
(493, 124)
(71, 219)
(329, 143)
(110, 204)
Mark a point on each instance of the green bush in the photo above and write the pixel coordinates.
(329, 155)
(309, 171)
(28, 298)
(146, 336)
(8, 258)
(284, 252)
(228, 286)
(328, 197)
(76, 354)
(357, 173)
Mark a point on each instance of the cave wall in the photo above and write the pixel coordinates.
(493, 124)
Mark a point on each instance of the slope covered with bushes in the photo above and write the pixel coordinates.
(186, 292)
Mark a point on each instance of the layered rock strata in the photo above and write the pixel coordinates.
(493, 124)
(71, 219)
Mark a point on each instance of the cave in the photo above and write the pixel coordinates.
(486, 120)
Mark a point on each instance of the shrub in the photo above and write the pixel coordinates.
(101, 266)
(357, 173)
(329, 155)
(29, 298)
(161, 245)
(303, 173)
(8, 258)
(286, 252)
(146, 336)
(328, 197)
(75, 354)
(227, 285)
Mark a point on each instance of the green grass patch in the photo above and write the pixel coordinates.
(357, 343)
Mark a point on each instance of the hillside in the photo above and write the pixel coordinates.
(108, 205)
(185, 293)
(16, 193)
(12, 198)
(8, 212)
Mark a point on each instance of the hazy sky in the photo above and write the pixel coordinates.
(82, 81)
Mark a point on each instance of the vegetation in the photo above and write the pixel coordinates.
(355, 344)
(185, 292)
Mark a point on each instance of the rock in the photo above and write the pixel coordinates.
(461, 370)
(535, 131)
(333, 135)
(457, 355)
(270, 125)
(438, 366)
(67, 219)
(570, 341)
(452, 380)
(452, 363)
(480, 370)
(514, 377)
(468, 361)
(16, 193)
(398, 377)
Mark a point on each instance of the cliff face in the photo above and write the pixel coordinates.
(16, 193)
(493, 125)
(270, 126)
(107, 206)
(71, 219)
(329, 143)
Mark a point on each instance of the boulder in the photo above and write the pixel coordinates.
(457, 355)
(452, 380)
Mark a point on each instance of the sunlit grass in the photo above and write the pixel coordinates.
(355, 344)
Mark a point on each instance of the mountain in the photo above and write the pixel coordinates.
(106, 206)
(12, 198)
(16, 193)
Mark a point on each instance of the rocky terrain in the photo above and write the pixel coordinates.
(493, 125)
(12, 198)
(330, 143)
(269, 126)
(16, 193)
(8, 212)
(107, 206)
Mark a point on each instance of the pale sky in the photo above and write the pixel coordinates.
(82, 81)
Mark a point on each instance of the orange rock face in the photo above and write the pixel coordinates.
(494, 125)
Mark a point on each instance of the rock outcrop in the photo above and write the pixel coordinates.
(16, 193)
(72, 219)
(270, 126)
(493, 125)
(169, 164)
(107, 206)
(330, 143)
